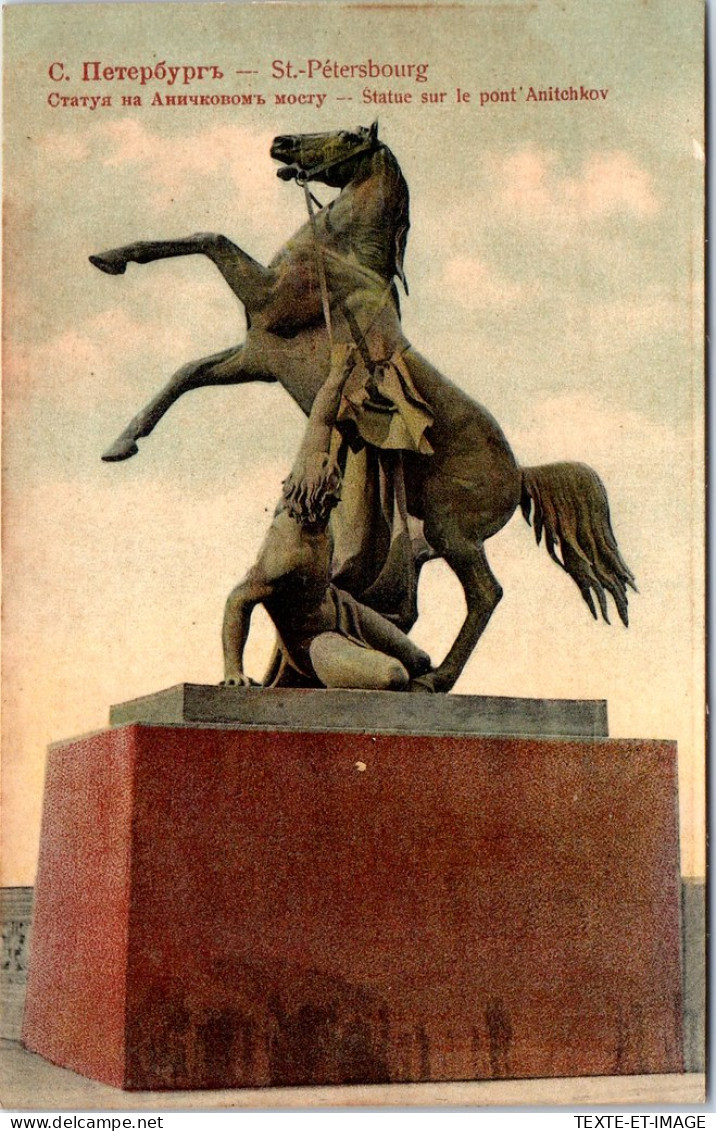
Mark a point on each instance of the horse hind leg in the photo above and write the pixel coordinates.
(225, 368)
(483, 592)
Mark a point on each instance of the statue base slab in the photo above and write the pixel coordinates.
(223, 906)
(385, 712)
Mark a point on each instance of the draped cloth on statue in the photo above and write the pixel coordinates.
(381, 415)
(343, 619)
(383, 408)
(373, 557)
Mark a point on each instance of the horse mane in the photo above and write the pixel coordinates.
(400, 211)
(385, 245)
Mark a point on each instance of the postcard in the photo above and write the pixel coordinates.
(544, 194)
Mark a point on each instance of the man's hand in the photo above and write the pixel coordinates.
(237, 679)
(313, 487)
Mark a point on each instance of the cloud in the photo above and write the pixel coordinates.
(470, 282)
(49, 370)
(612, 182)
(172, 163)
(531, 198)
(105, 348)
(65, 146)
(531, 187)
(224, 164)
(584, 426)
(635, 319)
(536, 235)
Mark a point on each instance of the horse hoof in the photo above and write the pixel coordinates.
(108, 263)
(119, 451)
(423, 683)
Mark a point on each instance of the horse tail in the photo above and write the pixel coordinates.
(569, 503)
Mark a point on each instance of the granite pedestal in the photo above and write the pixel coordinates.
(225, 905)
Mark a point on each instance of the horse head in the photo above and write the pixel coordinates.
(331, 158)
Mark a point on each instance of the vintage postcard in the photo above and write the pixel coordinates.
(526, 293)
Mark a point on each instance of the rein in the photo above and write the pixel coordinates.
(302, 177)
(356, 333)
(320, 263)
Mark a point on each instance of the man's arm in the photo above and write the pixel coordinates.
(315, 464)
(317, 437)
(237, 622)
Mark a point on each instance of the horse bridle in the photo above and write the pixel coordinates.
(301, 176)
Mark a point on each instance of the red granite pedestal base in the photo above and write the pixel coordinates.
(230, 907)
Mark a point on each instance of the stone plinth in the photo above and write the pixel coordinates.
(228, 907)
(383, 712)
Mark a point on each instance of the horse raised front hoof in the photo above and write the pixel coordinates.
(121, 449)
(109, 262)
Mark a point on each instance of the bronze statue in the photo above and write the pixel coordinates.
(333, 283)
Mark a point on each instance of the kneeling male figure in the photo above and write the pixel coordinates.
(325, 634)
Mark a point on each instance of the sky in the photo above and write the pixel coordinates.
(555, 272)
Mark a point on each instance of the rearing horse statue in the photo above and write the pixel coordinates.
(334, 280)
